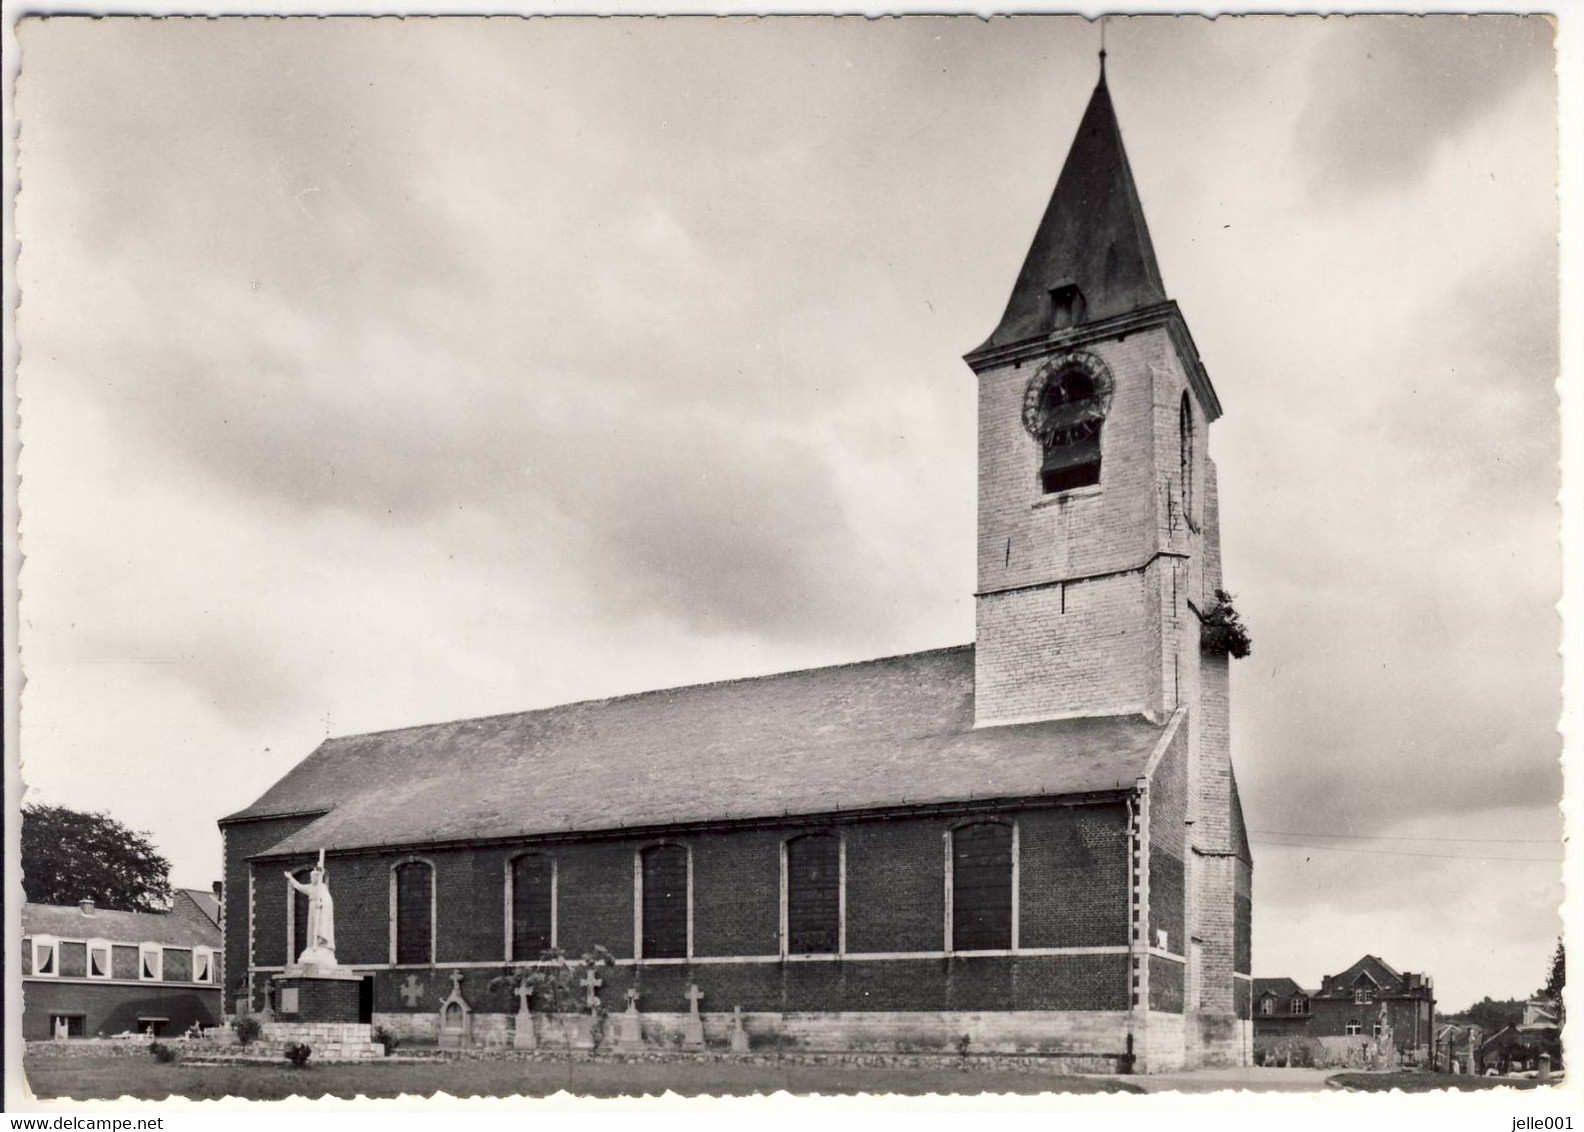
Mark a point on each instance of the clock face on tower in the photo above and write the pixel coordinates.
(1066, 401)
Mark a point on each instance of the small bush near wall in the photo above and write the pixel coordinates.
(298, 1054)
(163, 1053)
(247, 1029)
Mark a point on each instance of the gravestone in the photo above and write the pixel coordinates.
(739, 1036)
(523, 1036)
(629, 1027)
(693, 1024)
(456, 1017)
(581, 1027)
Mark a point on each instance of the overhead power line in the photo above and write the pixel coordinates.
(1404, 853)
(1384, 837)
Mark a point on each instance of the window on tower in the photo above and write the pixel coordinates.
(1072, 444)
(1064, 409)
(1185, 431)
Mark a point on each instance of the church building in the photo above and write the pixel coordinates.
(1029, 843)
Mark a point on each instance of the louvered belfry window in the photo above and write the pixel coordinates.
(532, 898)
(665, 902)
(414, 912)
(813, 894)
(982, 887)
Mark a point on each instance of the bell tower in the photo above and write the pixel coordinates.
(1097, 530)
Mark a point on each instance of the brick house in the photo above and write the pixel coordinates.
(1370, 1001)
(91, 971)
(1033, 841)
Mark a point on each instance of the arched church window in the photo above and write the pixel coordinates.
(1185, 433)
(663, 879)
(413, 896)
(813, 894)
(532, 900)
(1064, 409)
(981, 887)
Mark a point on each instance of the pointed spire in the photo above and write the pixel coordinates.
(1092, 238)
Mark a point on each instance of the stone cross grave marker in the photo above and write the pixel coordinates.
(629, 1030)
(412, 990)
(592, 983)
(523, 992)
(693, 1024)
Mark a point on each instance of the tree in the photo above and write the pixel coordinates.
(68, 856)
(1558, 976)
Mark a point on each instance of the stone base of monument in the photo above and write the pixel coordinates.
(330, 1041)
(313, 993)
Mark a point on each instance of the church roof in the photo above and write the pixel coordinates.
(878, 734)
(1092, 234)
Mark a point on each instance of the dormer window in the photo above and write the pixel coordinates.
(99, 959)
(44, 955)
(1067, 306)
(151, 962)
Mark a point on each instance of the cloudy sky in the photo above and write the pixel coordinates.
(383, 373)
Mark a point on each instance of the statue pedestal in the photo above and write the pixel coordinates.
(309, 992)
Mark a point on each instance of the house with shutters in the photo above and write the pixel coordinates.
(1033, 840)
(92, 972)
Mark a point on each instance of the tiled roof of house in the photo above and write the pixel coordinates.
(70, 922)
(1282, 987)
(203, 899)
(882, 733)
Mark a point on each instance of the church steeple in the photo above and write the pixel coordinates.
(1091, 258)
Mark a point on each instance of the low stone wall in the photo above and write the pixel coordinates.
(1086, 1041)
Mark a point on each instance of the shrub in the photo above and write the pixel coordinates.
(163, 1053)
(298, 1053)
(963, 1043)
(247, 1029)
(387, 1039)
(1221, 630)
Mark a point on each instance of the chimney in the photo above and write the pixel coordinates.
(218, 889)
(87, 906)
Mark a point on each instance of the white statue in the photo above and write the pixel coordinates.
(321, 916)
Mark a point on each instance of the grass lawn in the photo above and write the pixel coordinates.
(111, 1077)
(1410, 1082)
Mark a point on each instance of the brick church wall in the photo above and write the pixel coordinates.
(1072, 894)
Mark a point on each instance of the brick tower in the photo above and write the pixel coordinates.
(1098, 534)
